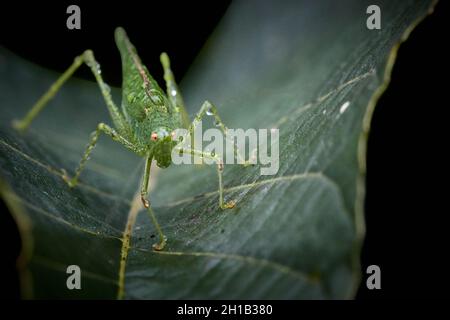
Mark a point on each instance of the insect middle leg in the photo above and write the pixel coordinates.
(88, 58)
(220, 168)
(101, 128)
(144, 194)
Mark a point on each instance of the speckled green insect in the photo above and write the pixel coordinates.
(146, 122)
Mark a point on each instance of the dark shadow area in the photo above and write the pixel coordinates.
(37, 31)
(406, 210)
(11, 249)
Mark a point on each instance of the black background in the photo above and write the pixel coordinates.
(406, 211)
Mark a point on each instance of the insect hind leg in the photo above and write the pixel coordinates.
(88, 58)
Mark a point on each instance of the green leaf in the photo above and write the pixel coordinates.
(311, 69)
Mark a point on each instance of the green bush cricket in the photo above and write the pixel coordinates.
(146, 122)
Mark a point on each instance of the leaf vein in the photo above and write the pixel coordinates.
(58, 266)
(306, 175)
(64, 221)
(58, 173)
(308, 105)
(299, 275)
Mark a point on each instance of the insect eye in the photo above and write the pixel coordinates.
(154, 136)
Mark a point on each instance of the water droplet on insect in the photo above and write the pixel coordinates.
(217, 123)
(97, 66)
(209, 112)
(344, 107)
(156, 100)
(213, 153)
(324, 111)
(173, 92)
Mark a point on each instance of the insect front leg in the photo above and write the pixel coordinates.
(144, 194)
(209, 109)
(88, 58)
(101, 128)
(220, 168)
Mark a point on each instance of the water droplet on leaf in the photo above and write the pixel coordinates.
(344, 107)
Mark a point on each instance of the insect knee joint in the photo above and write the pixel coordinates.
(145, 202)
(88, 54)
(210, 106)
(220, 164)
